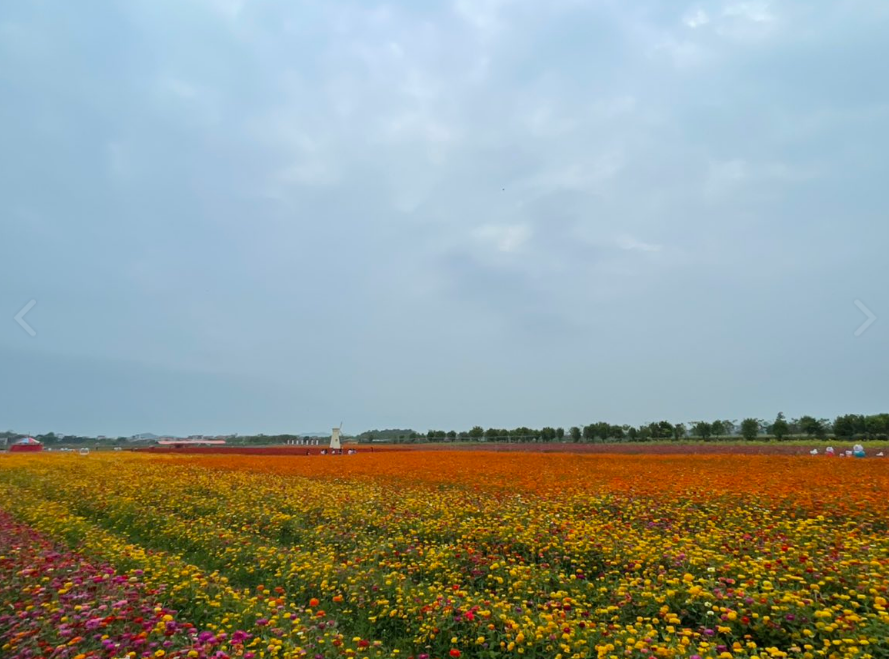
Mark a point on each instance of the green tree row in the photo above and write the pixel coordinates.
(849, 426)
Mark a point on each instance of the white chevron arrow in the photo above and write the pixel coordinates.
(871, 318)
(20, 318)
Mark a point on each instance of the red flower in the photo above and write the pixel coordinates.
(455, 653)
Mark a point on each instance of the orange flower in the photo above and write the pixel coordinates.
(313, 602)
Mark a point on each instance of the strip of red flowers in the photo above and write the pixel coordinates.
(55, 603)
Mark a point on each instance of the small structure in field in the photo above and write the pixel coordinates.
(26, 445)
(183, 443)
(335, 444)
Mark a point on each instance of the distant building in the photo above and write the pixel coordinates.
(144, 437)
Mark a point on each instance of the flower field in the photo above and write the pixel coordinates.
(441, 555)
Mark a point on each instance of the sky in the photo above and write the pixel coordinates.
(275, 216)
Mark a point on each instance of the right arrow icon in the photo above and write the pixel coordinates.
(870, 317)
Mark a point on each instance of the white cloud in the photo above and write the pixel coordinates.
(584, 176)
(683, 53)
(696, 18)
(756, 12)
(178, 88)
(479, 70)
(229, 9)
(747, 20)
(725, 175)
(630, 243)
(309, 173)
(738, 21)
(792, 173)
(482, 15)
(503, 237)
(416, 125)
(542, 120)
(118, 162)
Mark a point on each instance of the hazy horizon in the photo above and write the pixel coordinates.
(273, 217)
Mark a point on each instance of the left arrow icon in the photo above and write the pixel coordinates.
(20, 318)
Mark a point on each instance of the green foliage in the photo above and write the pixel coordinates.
(811, 426)
(750, 429)
(702, 429)
(780, 428)
(388, 433)
(846, 427)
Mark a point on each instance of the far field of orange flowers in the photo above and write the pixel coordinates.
(428, 555)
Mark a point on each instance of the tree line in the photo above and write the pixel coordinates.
(848, 426)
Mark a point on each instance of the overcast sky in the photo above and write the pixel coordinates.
(275, 216)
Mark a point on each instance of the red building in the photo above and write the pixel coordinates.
(26, 445)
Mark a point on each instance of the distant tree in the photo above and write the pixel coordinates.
(717, 428)
(750, 429)
(679, 431)
(48, 438)
(702, 429)
(548, 434)
(811, 426)
(477, 432)
(780, 428)
(560, 434)
(632, 434)
(452, 435)
(602, 430)
(848, 425)
(876, 425)
(575, 433)
(589, 432)
(665, 430)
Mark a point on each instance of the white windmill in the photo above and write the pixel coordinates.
(335, 438)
